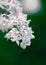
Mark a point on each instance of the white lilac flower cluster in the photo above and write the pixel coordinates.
(17, 22)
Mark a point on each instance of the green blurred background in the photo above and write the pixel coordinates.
(11, 54)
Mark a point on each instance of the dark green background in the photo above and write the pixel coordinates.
(11, 54)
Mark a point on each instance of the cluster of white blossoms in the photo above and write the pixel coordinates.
(17, 22)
